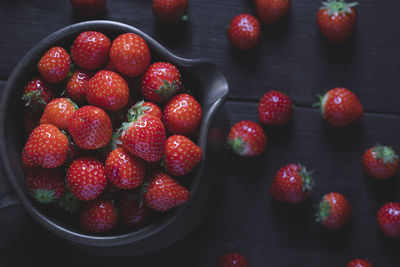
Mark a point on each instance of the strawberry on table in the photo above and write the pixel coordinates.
(244, 32)
(98, 216)
(275, 108)
(380, 162)
(292, 184)
(133, 213)
(170, 10)
(389, 219)
(247, 139)
(45, 185)
(58, 112)
(269, 11)
(88, 9)
(233, 260)
(334, 211)
(359, 263)
(340, 107)
(54, 65)
(337, 19)
(37, 92)
(77, 84)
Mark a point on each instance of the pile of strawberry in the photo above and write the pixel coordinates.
(94, 149)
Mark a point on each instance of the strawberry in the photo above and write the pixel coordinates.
(244, 32)
(359, 263)
(181, 155)
(292, 184)
(45, 185)
(130, 54)
(164, 193)
(334, 211)
(58, 112)
(337, 19)
(170, 10)
(124, 170)
(86, 178)
(340, 107)
(31, 119)
(233, 260)
(98, 216)
(46, 147)
(107, 90)
(160, 81)
(247, 139)
(55, 64)
(152, 109)
(37, 92)
(182, 115)
(90, 127)
(133, 213)
(275, 108)
(76, 86)
(380, 162)
(389, 219)
(269, 11)
(88, 9)
(90, 50)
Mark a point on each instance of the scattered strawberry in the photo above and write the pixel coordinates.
(160, 81)
(269, 11)
(247, 139)
(46, 186)
(334, 211)
(182, 115)
(107, 90)
(98, 216)
(181, 155)
(244, 32)
(233, 260)
(292, 184)
(337, 19)
(58, 112)
(90, 127)
(37, 92)
(389, 219)
(275, 108)
(164, 193)
(46, 147)
(359, 263)
(86, 178)
(54, 65)
(380, 162)
(170, 10)
(130, 54)
(76, 86)
(152, 109)
(124, 170)
(133, 213)
(88, 9)
(340, 107)
(31, 119)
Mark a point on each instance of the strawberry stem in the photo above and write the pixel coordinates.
(338, 7)
(323, 211)
(44, 196)
(387, 154)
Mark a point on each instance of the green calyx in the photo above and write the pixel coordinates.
(238, 145)
(73, 103)
(338, 7)
(308, 181)
(185, 17)
(69, 202)
(34, 98)
(44, 196)
(321, 103)
(387, 154)
(166, 90)
(323, 211)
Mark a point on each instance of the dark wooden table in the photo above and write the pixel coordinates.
(292, 57)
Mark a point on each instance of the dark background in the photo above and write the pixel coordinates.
(292, 57)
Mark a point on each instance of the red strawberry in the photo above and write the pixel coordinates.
(334, 211)
(247, 139)
(37, 92)
(90, 127)
(86, 178)
(160, 81)
(270, 11)
(107, 90)
(164, 193)
(275, 108)
(90, 50)
(124, 170)
(337, 19)
(152, 109)
(244, 32)
(46, 147)
(130, 54)
(45, 185)
(77, 84)
(133, 213)
(181, 155)
(182, 115)
(54, 65)
(359, 263)
(170, 10)
(340, 107)
(98, 216)
(58, 112)
(380, 162)
(389, 219)
(31, 119)
(88, 8)
(233, 260)
(292, 184)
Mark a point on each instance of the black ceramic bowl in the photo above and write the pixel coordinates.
(210, 88)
